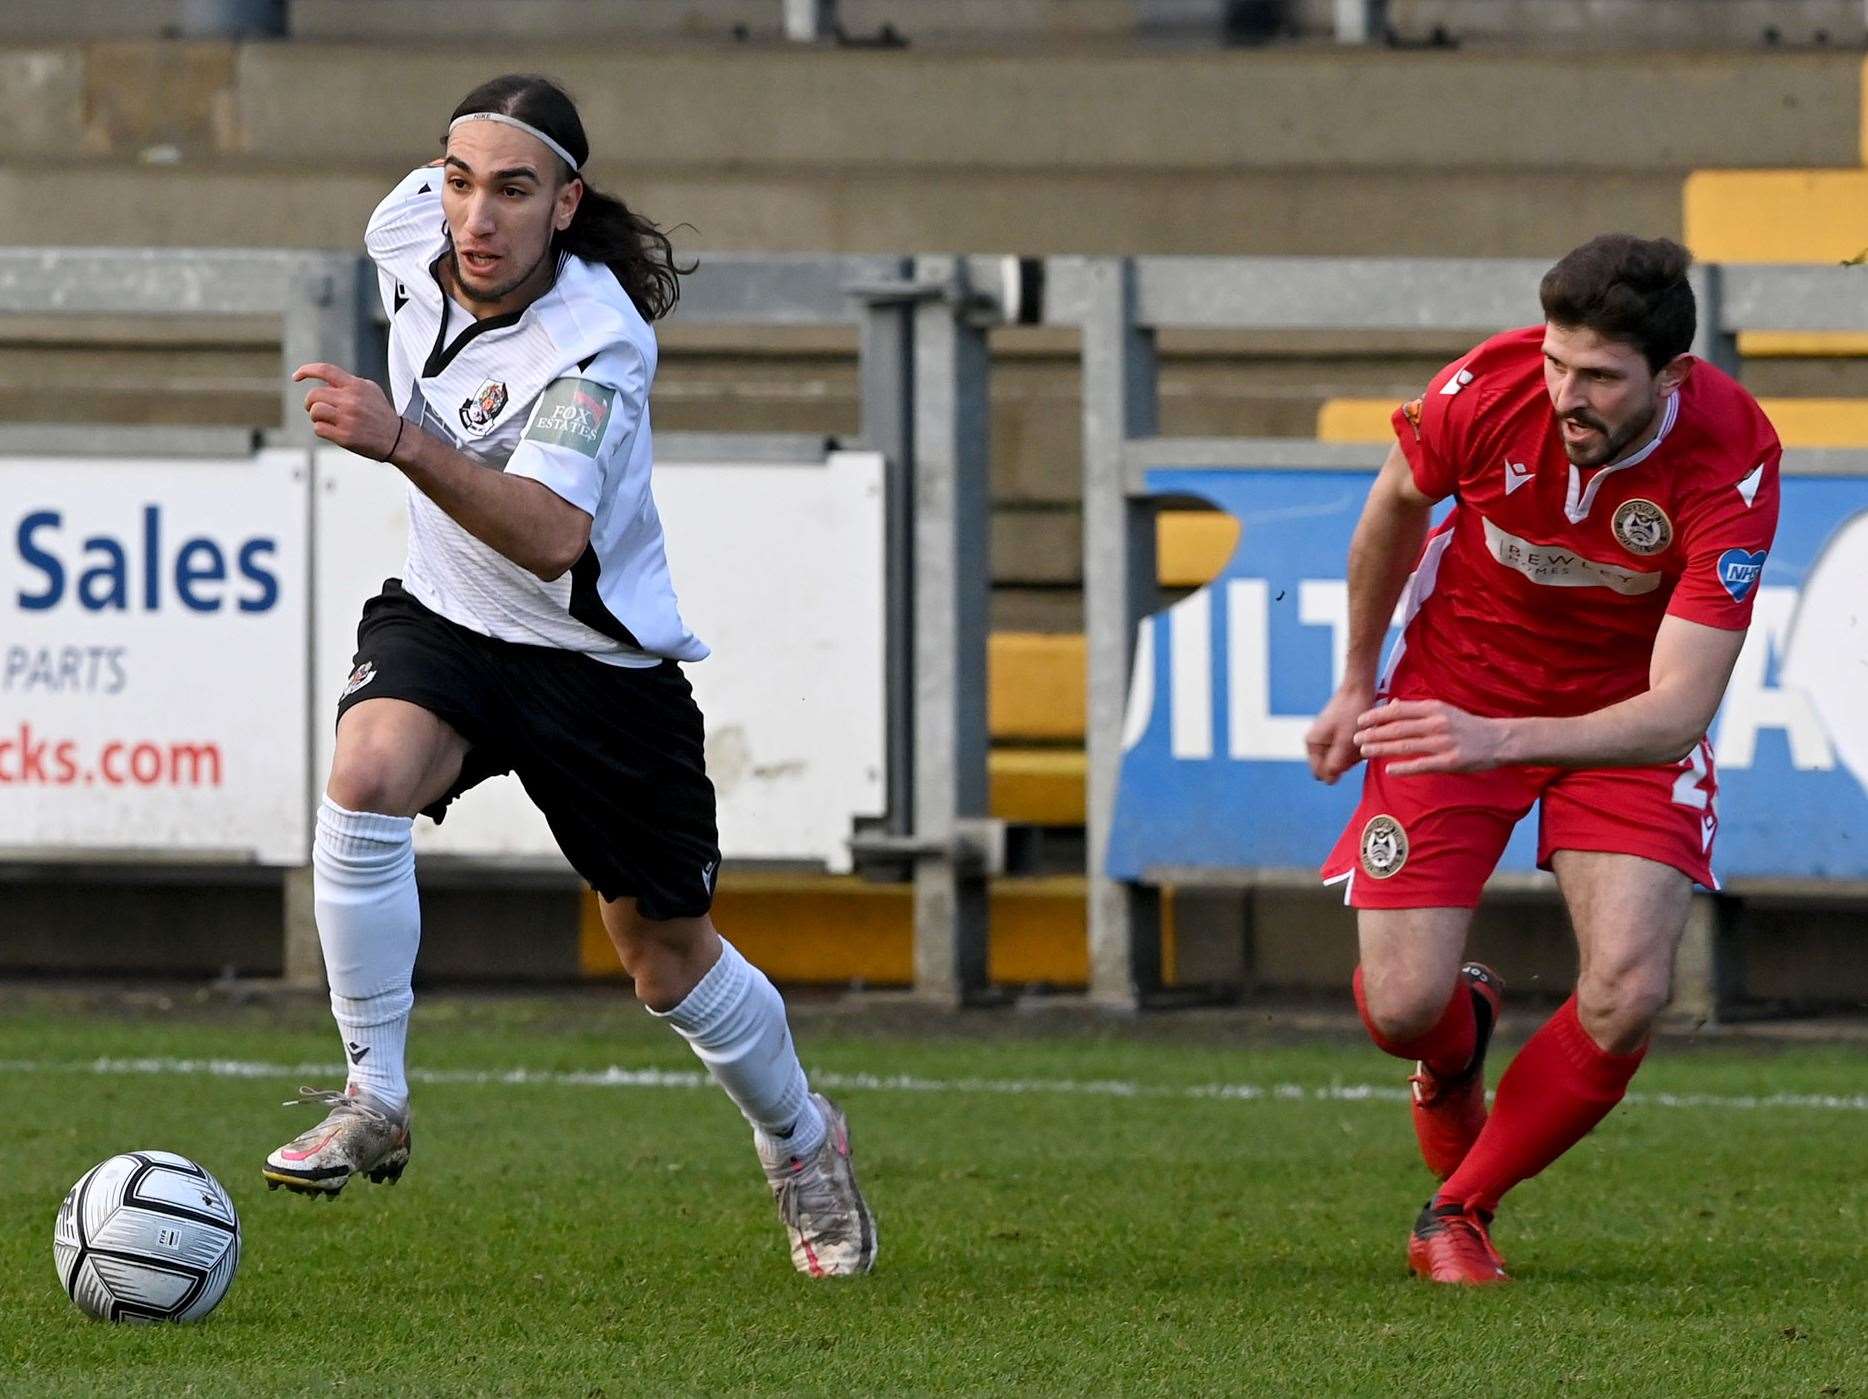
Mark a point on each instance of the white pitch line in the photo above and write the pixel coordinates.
(618, 1077)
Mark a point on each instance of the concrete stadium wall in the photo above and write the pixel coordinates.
(1132, 150)
(970, 21)
(886, 208)
(986, 23)
(225, 922)
(1132, 110)
(1279, 941)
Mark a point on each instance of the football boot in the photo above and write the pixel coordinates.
(1453, 1244)
(832, 1232)
(357, 1137)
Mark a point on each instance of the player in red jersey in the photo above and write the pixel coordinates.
(1568, 631)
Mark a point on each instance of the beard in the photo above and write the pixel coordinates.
(1610, 444)
(487, 296)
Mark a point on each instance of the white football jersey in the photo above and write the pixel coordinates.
(558, 392)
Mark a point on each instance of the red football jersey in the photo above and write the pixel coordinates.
(1542, 591)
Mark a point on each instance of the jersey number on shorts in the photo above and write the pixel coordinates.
(1687, 787)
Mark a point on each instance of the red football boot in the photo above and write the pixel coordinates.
(1453, 1245)
(1448, 1112)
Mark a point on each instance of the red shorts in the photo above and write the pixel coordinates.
(1431, 840)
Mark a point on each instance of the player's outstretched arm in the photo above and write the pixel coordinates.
(1686, 680)
(1382, 553)
(523, 519)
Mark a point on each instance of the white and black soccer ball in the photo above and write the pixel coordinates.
(147, 1236)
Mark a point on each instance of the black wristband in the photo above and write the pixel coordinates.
(400, 424)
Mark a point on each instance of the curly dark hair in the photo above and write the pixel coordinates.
(1626, 288)
(604, 229)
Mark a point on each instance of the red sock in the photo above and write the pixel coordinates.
(1447, 1048)
(1558, 1088)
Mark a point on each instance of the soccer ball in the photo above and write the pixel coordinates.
(147, 1236)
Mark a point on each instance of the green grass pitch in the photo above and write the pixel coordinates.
(1178, 1206)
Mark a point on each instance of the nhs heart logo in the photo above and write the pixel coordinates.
(1739, 570)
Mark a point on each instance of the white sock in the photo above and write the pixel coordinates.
(369, 924)
(735, 1021)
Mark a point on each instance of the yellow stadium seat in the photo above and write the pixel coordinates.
(1802, 344)
(1037, 786)
(1036, 680)
(1035, 686)
(1776, 215)
(1355, 420)
(1800, 422)
(1818, 216)
(1818, 422)
(837, 929)
(1192, 546)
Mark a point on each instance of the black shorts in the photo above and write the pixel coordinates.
(612, 755)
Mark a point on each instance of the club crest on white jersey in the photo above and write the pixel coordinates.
(483, 407)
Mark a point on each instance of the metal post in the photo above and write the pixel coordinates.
(1357, 21)
(807, 21)
(232, 19)
(1711, 340)
(886, 369)
(325, 320)
(1119, 403)
(1709, 967)
(952, 582)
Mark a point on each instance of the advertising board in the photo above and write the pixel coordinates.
(1227, 680)
(153, 657)
(779, 569)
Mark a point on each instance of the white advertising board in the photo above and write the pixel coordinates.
(779, 569)
(153, 664)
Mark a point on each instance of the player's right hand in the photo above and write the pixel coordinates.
(350, 411)
(1330, 743)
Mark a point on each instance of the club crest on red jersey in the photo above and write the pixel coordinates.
(1642, 527)
(1384, 847)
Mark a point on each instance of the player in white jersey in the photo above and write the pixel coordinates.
(534, 631)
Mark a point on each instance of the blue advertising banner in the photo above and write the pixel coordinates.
(1227, 680)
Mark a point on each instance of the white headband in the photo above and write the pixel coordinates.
(524, 126)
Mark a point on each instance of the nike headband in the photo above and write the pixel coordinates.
(524, 126)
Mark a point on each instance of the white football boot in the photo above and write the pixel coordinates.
(357, 1137)
(833, 1234)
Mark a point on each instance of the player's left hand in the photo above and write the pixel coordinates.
(350, 411)
(1431, 735)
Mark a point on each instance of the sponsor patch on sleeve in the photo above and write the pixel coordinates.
(1411, 410)
(572, 413)
(1739, 570)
